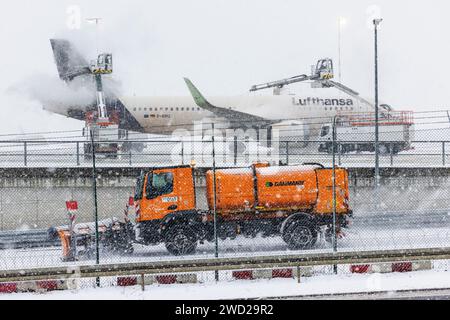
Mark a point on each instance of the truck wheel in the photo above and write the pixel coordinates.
(300, 235)
(180, 240)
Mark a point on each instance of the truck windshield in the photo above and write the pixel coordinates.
(139, 187)
(159, 184)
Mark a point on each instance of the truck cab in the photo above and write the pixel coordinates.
(161, 191)
(160, 194)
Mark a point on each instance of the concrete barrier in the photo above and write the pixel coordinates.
(34, 286)
(391, 267)
(272, 273)
(157, 279)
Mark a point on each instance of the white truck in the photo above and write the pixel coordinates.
(356, 133)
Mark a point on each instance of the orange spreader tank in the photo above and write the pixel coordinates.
(290, 188)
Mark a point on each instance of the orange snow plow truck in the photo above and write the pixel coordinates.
(294, 202)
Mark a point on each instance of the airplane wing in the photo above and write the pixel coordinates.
(236, 118)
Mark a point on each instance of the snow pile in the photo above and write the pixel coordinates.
(319, 285)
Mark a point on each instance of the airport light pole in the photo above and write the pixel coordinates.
(376, 23)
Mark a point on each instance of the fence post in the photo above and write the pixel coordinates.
(216, 245)
(257, 145)
(247, 150)
(391, 149)
(94, 186)
(339, 146)
(131, 153)
(287, 153)
(334, 191)
(1, 211)
(443, 153)
(182, 152)
(37, 213)
(78, 153)
(235, 147)
(25, 155)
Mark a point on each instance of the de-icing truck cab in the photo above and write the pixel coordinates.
(291, 201)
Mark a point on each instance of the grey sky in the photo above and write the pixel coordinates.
(226, 46)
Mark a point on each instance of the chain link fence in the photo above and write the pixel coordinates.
(409, 209)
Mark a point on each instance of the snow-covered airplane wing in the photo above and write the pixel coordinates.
(236, 118)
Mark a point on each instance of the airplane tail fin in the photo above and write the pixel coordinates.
(69, 62)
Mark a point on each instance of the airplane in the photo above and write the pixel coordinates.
(301, 115)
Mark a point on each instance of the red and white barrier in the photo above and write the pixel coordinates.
(34, 286)
(157, 279)
(391, 267)
(271, 273)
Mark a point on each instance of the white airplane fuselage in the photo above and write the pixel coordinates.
(157, 114)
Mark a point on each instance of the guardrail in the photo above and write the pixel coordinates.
(35, 153)
(235, 263)
(26, 239)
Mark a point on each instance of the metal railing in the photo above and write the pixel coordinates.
(222, 264)
(233, 153)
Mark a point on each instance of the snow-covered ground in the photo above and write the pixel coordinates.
(238, 289)
(357, 239)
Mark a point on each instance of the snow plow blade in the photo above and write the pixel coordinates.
(114, 236)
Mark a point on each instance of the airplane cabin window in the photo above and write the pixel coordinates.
(145, 115)
(176, 108)
(134, 109)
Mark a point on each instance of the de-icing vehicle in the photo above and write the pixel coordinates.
(293, 202)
